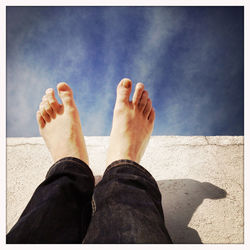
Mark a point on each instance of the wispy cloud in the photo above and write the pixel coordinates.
(190, 59)
(161, 26)
(207, 95)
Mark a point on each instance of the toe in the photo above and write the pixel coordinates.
(50, 95)
(124, 90)
(49, 110)
(151, 117)
(147, 108)
(65, 93)
(43, 112)
(143, 100)
(40, 119)
(138, 93)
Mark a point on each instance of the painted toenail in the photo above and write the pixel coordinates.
(127, 84)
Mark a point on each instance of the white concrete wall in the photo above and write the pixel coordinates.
(200, 178)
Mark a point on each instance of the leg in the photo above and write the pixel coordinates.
(127, 200)
(60, 208)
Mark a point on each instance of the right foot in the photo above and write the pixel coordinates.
(60, 125)
(133, 123)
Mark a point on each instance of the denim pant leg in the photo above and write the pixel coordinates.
(127, 207)
(60, 208)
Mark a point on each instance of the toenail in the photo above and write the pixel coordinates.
(127, 84)
(49, 90)
(139, 85)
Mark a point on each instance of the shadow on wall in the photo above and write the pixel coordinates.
(180, 199)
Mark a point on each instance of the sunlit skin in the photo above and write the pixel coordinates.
(60, 126)
(133, 122)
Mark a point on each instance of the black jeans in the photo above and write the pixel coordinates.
(125, 207)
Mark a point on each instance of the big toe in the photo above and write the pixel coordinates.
(65, 93)
(124, 90)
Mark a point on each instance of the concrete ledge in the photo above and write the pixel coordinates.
(200, 178)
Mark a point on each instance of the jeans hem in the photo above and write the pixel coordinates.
(76, 161)
(126, 162)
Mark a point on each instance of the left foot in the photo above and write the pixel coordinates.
(60, 125)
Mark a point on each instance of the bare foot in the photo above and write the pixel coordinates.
(60, 125)
(133, 123)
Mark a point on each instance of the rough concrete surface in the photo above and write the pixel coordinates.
(200, 178)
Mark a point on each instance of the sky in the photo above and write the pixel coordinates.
(190, 59)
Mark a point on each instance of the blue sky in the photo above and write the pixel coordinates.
(189, 58)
